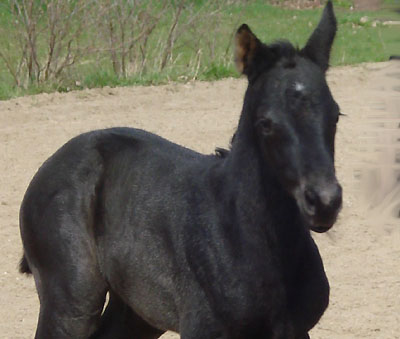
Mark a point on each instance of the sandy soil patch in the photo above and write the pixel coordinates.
(367, 5)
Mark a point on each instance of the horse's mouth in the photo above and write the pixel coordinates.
(321, 224)
(321, 228)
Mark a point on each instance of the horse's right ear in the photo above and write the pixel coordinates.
(319, 45)
(246, 47)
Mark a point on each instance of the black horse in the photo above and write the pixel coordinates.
(210, 246)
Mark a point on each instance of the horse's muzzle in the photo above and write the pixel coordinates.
(321, 205)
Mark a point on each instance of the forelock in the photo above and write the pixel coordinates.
(285, 53)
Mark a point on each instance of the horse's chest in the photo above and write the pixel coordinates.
(252, 310)
(250, 294)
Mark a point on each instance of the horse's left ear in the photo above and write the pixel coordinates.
(319, 45)
(246, 47)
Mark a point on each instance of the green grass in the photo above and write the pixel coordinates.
(356, 42)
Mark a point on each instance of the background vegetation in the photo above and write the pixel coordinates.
(61, 45)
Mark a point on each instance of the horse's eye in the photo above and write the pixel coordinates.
(265, 125)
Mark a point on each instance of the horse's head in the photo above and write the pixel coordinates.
(294, 116)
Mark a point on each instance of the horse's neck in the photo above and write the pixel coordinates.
(255, 186)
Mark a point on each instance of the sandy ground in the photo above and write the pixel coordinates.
(361, 253)
(367, 5)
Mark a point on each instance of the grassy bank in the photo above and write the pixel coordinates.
(202, 48)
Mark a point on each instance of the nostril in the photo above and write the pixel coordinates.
(311, 201)
(310, 197)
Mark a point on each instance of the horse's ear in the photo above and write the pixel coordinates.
(246, 47)
(319, 45)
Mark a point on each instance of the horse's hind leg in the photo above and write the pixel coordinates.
(61, 256)
(120, 322)
(71, 301)
(69, 311)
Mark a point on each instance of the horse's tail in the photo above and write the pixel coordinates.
(24, 266)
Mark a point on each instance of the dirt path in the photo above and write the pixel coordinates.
(367, 5)
(362, 252)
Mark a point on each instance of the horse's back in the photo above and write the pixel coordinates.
(71, 179)
(80, 163)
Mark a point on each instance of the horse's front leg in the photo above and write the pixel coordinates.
(303, 336)
(199, 330)
(199, 323)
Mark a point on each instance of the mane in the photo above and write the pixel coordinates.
(285, 52)
(280, 51)
(221, 152)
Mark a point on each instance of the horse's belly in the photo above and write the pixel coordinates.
(142, 274)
